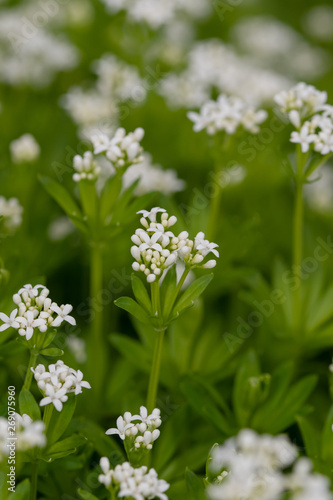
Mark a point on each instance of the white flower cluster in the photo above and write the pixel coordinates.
(138, 483)
(227, 114)
(29, 55)
(10, 213)
(307, 110)
(251, 467)
(152, 178)
(140, 431)
(86, 167)
(89, 108)
(214, 66)
(35, 310)
(78, 348)
(119, 79)
(156, 248)
(122, 150)
(28, 434)
(161, 12)
(57, 382)
(271, 42)
(25, 149)
(96, 109)
(318, 22)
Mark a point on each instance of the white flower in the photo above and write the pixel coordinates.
(138, 483)
(63, 314)
(79, 383)
(57, 382)
(25, 149)
(120, 430)
(86, 167)
(122, 150)
(152, 178)
(28, 323)
(55, 397)
(9, 321)
(35, 311)
(305, 485)
(227, 114)
(253, 467)
(304, 138)
(304, 98)
(30, 434)
(106, 477)
(204, 246)
(78, 348)
(11, 213)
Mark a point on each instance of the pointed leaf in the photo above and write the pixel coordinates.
(61, 420)
(133, 308)
(195, 487)
(192, 293)
(140, 293)
(65, 200)
(203, 403)
(29, 405)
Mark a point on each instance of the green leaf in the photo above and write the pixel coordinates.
(280, 381)
(103, 444)
(63, 448)
(49, 337)
(28, 405)
(22, 491)
(52, 352)
(89, 200)
(290, 406)
(65, 200)
(192, 293)
(109, 196)
(327, 439)
(310, 437)
(61, 420)
(168, 291)
(203, 403)
(140, 293)
(249, 367)
(195, 486)
(133, 308)
(85, 495)
(322, 311)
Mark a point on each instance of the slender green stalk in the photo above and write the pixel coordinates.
(215, 212)
(96, 285)
(47, 416)
(220, 149)
(34, 481)
(298, 233)
(157, 356)
(155, 298)
(177, 291)
(155, 371)
(97, 341)
(29, 374)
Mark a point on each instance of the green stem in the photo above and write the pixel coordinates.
(29, 374)
(34, 480)
(178, 289)
(96, 340)
(214, 212)
(155, 371)
(155, 298)
(298, 232)
(47, 416)
(96, 285)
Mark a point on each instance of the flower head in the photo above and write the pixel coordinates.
(59, 381)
